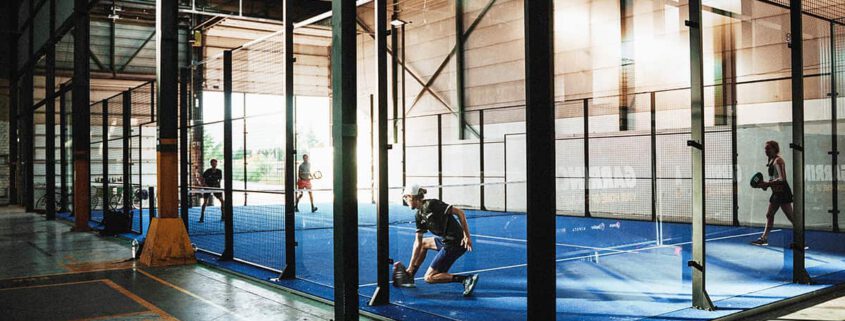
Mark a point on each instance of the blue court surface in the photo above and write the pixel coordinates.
(607, 269)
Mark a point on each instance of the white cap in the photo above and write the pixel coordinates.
(412, 190)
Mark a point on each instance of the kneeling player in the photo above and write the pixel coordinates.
(452, 239)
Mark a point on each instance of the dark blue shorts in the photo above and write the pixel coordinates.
(447, 254)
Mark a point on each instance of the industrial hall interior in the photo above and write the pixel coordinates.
(422, 160)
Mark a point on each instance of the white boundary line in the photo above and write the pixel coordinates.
(590, 256)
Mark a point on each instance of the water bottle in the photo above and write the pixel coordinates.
(134, 248)
(194, 246)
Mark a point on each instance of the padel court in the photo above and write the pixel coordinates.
(601, 149)
(607, 268)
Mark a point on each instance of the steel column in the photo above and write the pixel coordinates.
(62, 145)
(440, 156)
(481, 158)
(382, 292)
(344, 135)
(14, 95)
(540, 153)
(81, 116)
(290, 149)
(26, 116)
(459, 67)
(700, 298)
(653, 154)
(586, 107)
(127, 152)
(394, 73)
(228, 251)
(105, 139)
(799, 274)
(50, 121)
(184, 201)
(402, 104)
(166, 101)
(834, 153)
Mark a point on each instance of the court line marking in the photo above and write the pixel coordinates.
(50, 285)
(120, 315)
(26, 278)
(590, 256)
(191, 294)
(139, 300)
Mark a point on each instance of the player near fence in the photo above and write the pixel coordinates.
(452, 239)
(211, 178)
(304, 183)
(781, 193)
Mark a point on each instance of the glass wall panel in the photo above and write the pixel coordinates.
(623, 164)
(744, 59)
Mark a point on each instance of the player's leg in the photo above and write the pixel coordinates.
(205, 198)
(770, 221)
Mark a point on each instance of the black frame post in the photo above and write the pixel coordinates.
(799, 274)
(104, 137)
(184, 201)
(481, 204)
(14, 96)
(26, 114)
(63, 205)
(127, 152)
(228, 251)
(394, 75)
(653, 154)
(540, 146)
(459, 67)
(402, 104)
(289, 271)
(700, 298)
(382, 292)
(440, 156)
(586, 107)
(344, 135)
(834, 153)
(50, 120)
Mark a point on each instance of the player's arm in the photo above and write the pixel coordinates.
(467, 241)
(416, 254)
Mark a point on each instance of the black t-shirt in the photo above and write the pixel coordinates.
(212, 177)
(435, 216)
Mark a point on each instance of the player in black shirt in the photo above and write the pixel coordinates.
(211, 178)
(452, 239)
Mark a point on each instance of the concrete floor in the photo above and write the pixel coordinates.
(830, 310)
(50, 273)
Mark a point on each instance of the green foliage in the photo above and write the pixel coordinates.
(211, 149)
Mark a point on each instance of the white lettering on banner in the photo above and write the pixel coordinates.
(601, 177)
(823, 172)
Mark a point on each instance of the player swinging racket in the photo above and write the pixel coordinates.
(452, 239)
